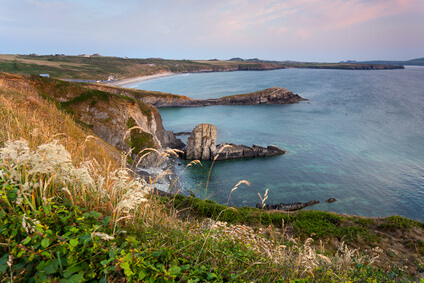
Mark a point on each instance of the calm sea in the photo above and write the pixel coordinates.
(359, 138)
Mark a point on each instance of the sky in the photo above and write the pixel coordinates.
(298, 30)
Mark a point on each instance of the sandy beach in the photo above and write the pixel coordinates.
(128, 81)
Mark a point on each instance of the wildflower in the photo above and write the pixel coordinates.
(28, 226)
(10, 260)
(49, 158)
(16, 151)
(135, 195)
(19, 199)
(82, 176)
(103, 236)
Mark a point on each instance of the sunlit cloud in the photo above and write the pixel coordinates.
(203, 27)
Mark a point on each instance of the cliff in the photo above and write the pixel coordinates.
(107, 115)
(274, 95)
(155, 98)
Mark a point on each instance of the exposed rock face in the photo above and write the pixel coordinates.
(287, 206)
(107, 115)
(202, 142)
(234, 151)
(274, 95)
(202, 146)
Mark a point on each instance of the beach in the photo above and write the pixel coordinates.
(123, 82)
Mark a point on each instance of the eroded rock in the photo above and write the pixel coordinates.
(201, 144)
(234, 151)
(287, 206)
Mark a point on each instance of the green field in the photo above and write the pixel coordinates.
(100, 67)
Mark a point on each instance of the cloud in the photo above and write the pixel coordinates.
(196, 26)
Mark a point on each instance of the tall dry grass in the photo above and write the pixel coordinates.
(30, 117)
(32, 126)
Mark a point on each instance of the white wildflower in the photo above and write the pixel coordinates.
(103, 236)
(121, 178)
(136, 193)
(19, 199)
(10, 260)
(29, 226)
(82, 175)
(49, 158)
(16, 151)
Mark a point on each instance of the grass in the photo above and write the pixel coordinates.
(69, 212)
(100, 67)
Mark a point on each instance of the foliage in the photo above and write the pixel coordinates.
(139, 140)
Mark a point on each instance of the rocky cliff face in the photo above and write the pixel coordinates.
(109, 116)
(155, 98)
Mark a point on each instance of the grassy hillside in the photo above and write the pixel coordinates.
(415, 62)
(99, 67)
(70, 213)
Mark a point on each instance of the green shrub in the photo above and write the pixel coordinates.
(396, 222)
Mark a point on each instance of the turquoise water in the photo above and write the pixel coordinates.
(359, 138)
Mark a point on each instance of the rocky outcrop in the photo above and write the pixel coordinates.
(287, 206)
(233, 151)
(155, 98)
(201, 144)
(274, 95)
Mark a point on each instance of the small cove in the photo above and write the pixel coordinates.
(359, 138)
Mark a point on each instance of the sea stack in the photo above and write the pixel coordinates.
(201, 144)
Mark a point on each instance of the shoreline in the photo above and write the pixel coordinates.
(123, 82)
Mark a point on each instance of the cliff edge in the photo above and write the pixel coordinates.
(128, 124)
(273, 95)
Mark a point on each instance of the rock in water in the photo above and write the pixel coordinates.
(287, 206)
(235, 151)
(202, 142)
(201, 145)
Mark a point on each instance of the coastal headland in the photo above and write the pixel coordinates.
(97, 68)
(274, 95)
(73, 218)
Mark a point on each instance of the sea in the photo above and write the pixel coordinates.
(358, 138)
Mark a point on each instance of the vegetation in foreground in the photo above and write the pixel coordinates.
(70, 212)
